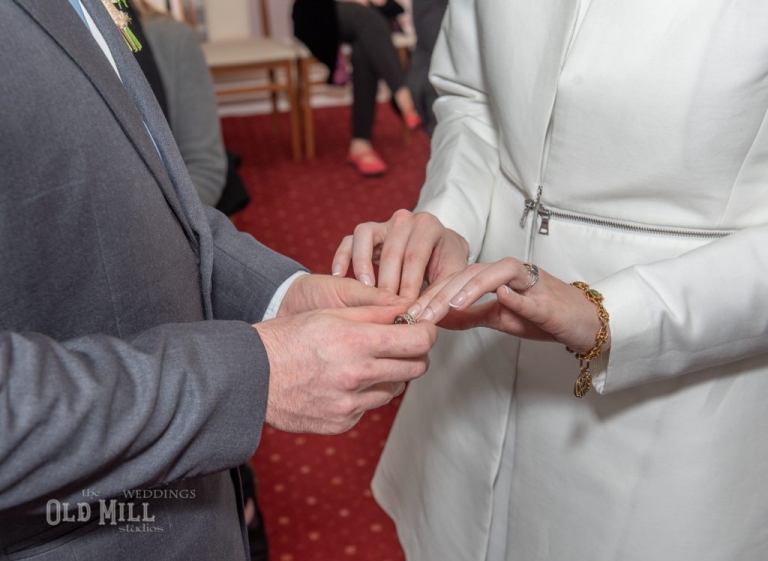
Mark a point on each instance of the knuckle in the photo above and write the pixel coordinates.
(414, 257)
(362, 228)
(439, 300)
(350, 382)
(426, 218)
(401, 214)
(346, 407)
(509, 262)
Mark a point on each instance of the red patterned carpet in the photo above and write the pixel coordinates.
(314, 491)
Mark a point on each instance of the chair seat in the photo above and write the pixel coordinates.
(254, 50)
(302, 51)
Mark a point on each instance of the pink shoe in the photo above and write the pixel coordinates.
(368, 163)
(412, 120)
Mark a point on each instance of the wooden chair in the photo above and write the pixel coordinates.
(259, 56)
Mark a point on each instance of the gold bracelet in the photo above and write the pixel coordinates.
(584, 381)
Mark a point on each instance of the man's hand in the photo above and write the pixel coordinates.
(317, 292)
(328, 367)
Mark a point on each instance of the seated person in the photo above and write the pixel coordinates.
(322, 25)
(190, 101)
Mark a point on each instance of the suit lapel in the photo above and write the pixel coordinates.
(65, 27)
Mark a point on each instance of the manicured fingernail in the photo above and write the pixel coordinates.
(458, 300)
(365, 279)
(414, 311)
(336, 270)
(427, 315)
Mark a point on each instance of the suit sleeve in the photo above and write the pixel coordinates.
(112, 414)
(246, 273)
(465, 154)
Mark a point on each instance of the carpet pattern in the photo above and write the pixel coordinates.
(314, 491)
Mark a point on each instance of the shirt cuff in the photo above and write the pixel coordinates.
(277, 297)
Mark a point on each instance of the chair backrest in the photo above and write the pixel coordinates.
(266, 26)
(184, 10)
(237, 19)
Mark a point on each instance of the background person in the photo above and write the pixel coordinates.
(323, 25)
(186, 87)
(427, 16)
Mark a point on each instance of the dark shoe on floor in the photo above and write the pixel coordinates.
(257, 538)
(257, 535)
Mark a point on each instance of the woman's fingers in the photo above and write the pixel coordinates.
(398, 237)
(407, 248)
(366, 237)
(342, 257)
(466, 287)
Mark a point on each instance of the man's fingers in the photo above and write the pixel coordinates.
(380, 394)
(394, 371)
(354, 294)
(381, 315)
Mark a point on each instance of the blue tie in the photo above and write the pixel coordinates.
(78, 9)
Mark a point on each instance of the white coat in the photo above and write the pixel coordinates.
(643, 123)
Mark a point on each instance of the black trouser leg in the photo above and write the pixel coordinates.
(373, 57)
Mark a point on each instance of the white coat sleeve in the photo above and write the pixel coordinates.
(704, 309)
(465, 156)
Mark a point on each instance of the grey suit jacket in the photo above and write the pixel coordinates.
(127, 361)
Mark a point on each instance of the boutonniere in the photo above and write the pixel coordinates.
(122, 20)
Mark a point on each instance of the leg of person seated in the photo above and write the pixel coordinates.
(364, 85)
(371, 36)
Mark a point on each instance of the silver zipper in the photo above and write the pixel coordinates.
(531, 205)
(546, 214)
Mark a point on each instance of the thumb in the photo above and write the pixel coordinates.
(357, 294)
(384, 315)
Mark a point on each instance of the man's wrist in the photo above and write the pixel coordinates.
(275, 308)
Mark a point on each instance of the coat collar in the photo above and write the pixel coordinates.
(65, 27)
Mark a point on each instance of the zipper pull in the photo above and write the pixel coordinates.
(531, 205)
(544, 214)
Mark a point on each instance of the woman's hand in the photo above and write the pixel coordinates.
(409, 249)
(550, 310)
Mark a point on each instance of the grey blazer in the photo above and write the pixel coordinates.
(127, 361)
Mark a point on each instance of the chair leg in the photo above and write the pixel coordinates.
(404, 56)
(293, 99)
(306, 108)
